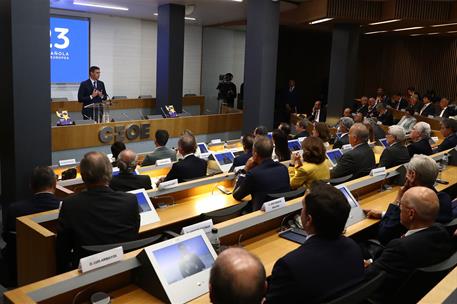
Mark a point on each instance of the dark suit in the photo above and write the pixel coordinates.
(420, 147)
(387, 118)
(447, 112)
(241, 160)
(267, 178)
(358, 162)
(292, 98)
(315, 271)
(390, 227)
(95, 217)
(429, 110)
(394, 155)
(188, 168)
(127, 182)
(402, 256)
(85, 91)
(362, 109)
(341, 141)
(301, 134)
(448, 143)
(322, 115)
(401, 104)
(372, 112)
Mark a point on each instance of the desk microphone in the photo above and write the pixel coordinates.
(125, 115)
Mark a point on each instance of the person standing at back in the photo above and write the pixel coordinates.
(92, 91)
(161, 151)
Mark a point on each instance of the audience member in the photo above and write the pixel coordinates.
(363, 108)
(398, 102)
(343, 130)
(261, 175)
(360, 160)
(281, 149)
(327, 262)
(420, 135)
(415, 104)
(376, 132)
(347, 112)
(318, 113)
(448, 130)
(97, 216)
(237, 276)
(384, 116)
(423, 244)
(260, 131)
(161, 151)
(372, 112)
(116, 148)
(396, 153)
(301, 128)
(428, 108)
(190, 167)
(313, 166)
(127, 179)
(240, 160)
(322, 131)
(445, 111)
(408, 120)
(420, 171)
(381, 97)
(285, 128)
(358, 117)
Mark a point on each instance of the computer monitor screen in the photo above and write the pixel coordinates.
(116, 171)
(224, 160)
(348, 195)
(184, 259)
(148, 214)
(384, 142)
(142, 202)
(294, 145)
(203, 148)
(334, 156)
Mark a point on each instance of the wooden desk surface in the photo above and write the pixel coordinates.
(442, 290)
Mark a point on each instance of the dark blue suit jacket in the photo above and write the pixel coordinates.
(188, 168)
(85, 90)
(267, 178)
(241, 160)
(315, 271)
(448, 143)
(420, 147)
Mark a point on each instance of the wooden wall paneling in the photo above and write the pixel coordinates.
(355, 9)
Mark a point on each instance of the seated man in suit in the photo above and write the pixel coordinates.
(116, 148)
(240, 160)
(237, 276)
(327, 263)
(127, 179)
(261, 175)
(260, 131)
(343, 139)
(347, 112)
(372, 111)
(398, 102)
(396, 153)
(421, 171)
(428, 108)
(360, 160)
(190, 167)
(301, 128)
(423, 244)
(161, 151)
(420, 135)
(97, 216)
(384, 116)
(363, 108)
(318, 113)
(448, 130)
(445, 111)
(43, 186)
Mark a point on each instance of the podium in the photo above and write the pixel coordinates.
(100, 111)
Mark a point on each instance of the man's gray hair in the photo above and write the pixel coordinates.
(361, 131)
(423, 128)
(426, 169)
(398, 132)
(347, 122)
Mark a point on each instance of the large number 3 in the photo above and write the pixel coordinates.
(62, 32)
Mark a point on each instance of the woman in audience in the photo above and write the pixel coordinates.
(323, 132)
(281, 151)
(285, 127)
(371, 137)
(408, 120)
(313, 166)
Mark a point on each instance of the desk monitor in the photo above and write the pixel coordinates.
(224, 160)
(356, 214)
(182, 265)
(116, 171)
(203, 148)
(148, 214)
(294, 145)
(270, 135)
(384, 143)
(333, 156)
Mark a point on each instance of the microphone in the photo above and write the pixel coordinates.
(141, 115)
(125, 115)
(163, 112)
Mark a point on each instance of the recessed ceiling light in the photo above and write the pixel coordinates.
(444, 24)
(237, 0)
(408, 28)
(414, 35)
(384, 22)
(377, 32)
(186, 18)
(451, 32)
(101, 5)
(320, 20)
(432, 33)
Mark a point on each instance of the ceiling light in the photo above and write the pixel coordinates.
(432, 33)
(237, 0)
(377, 32)
(320, 20)
(451, 32)
(384, 22)
(444, 24)
(186, 18)
(414, 35)
(100, 5)
(408, 28)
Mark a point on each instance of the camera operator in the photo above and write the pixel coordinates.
(227, 90)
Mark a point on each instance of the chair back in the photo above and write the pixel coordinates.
(126, 246)
(287, 195)
(225, 214)
(340, 180)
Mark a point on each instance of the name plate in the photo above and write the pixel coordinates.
(435, 139)
(206, 226)
(168, 185)
(238, 168)
(67, 162)
(378, 171)
(346, 147)
(300, 139)
(379, 123)
(205, 155)
(216, 141)
(274, 204)
(163, 162)
(101, 259)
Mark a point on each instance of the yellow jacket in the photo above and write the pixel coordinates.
(308, 173)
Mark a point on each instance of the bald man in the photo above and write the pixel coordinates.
(127, 179)
(237, 277)
(424, 244)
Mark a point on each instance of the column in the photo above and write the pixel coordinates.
(170, 56)
(260, 63)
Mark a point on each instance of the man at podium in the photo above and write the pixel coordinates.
(92, 91)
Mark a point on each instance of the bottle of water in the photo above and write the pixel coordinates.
(444, 162)
(214, 239)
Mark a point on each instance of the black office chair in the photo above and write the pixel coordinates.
(361, 292)
(127, 246)
(225, 214)
(287, 195)
(451, 226)
(340, 180)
